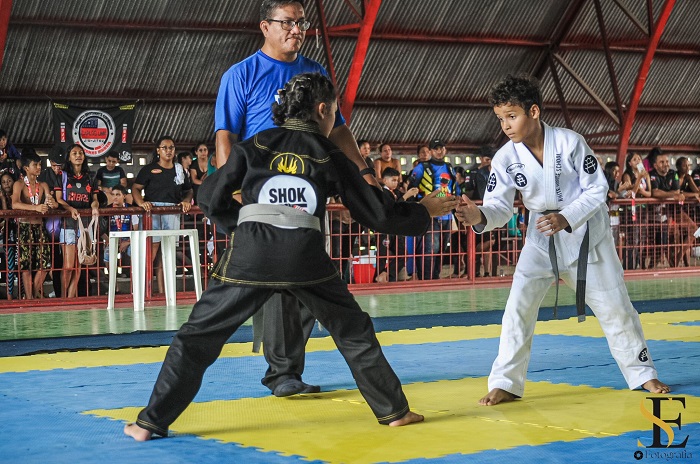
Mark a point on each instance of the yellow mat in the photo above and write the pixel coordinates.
(338, 426)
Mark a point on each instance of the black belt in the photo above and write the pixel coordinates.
(580, 277)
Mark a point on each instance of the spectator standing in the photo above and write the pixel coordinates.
(121, 223)
(33, 248)
(198, 168)
(385, 160)
(110, 175)
(53, 176)
(392, 248)
(78, 192)
(9, 155)
(423, 155)
(8, 234)
(635, 183)
(690, 189)
(429, 176)
(365, 151)
(165, 184)
(665, 185)
(486, 244)
(650, 159)
(243, 108)
(185, 160)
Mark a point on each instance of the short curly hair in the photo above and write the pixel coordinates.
(300, 96)
(522, 90)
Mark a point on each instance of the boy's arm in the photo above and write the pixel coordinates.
(593, 185)
(17, 202)
(499, 195)
(48, 198)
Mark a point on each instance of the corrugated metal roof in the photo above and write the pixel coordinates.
(427, 72)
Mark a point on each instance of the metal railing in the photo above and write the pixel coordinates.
(650, 236)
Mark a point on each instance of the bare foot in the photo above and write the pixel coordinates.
(496, 396)
(382, 277)
(137, 433)
(656, 386)
(409, 418)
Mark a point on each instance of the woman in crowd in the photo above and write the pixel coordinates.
(8, 233)
(79, 192)
(198, 170)
(635, 183)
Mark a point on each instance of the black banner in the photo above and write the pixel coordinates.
(98, 131)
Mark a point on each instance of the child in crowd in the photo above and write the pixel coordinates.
(565, 190)
(110, 175)
(121, 222)
(33, 245)
(392, 248)
(285, 175)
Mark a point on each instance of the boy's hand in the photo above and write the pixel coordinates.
(42, 208)
(186, 206)
(410, 193)
(468, 213)
(439, 206)
(550, 224)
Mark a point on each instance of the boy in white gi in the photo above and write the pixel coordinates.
(564, 188)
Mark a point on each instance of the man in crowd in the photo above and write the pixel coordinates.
(429, 176)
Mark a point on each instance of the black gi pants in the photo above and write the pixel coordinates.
(223, 308)
(287, 328)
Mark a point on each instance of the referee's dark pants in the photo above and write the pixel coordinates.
(286, 329)
(223, 308)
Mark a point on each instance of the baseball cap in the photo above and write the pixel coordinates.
(435, 143)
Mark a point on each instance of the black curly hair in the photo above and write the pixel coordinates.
(522, 90)
(301, 95)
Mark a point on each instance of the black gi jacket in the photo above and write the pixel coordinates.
(294, 165)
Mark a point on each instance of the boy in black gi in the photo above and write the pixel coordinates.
(285, 175)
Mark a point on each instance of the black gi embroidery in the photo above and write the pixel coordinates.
(492, 183)
(590, 164)
(520, 180)
(643, 356)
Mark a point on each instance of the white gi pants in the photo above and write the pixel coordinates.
(607, 297)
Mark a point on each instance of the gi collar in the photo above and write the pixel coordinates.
(299, 125)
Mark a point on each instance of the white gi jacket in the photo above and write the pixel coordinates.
(570, 181)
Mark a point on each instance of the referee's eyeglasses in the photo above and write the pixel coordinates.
(288, 24)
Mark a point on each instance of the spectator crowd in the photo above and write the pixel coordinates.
(45, 246)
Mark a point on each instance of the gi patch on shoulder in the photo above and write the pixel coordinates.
(515, 167)
(520, 180)
(590, 164)
(643, 356)
(287, 163)
(492, 183)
